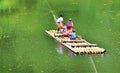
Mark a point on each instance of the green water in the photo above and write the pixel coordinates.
(26, 48)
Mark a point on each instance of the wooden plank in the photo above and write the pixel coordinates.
(89, 50)
(71, 41)
(84, 45)
(56, 38)
(58, 35)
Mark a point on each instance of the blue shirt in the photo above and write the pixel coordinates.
(72, 35)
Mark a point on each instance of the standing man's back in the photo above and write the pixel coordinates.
(60, 19)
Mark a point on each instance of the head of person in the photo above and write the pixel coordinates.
(70, 19)
(61, 15)
(58, 22)
(73, 30)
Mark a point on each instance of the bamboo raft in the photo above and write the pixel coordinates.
(78, 46)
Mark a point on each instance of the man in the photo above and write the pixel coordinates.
(59, 23)
(60, 19)
(60, 26)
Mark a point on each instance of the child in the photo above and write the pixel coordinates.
(72, 35)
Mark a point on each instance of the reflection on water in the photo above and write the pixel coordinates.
(61, 49)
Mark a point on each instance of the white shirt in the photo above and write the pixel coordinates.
(60, 19)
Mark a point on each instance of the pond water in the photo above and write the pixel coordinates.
(26, 48)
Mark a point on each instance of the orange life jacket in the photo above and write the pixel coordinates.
(60, 25)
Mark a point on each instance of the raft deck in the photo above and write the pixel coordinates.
(78, 46)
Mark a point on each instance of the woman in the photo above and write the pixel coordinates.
(70, 24)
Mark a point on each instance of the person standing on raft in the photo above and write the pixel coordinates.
(60, 22)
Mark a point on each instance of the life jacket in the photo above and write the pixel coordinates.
(60, 25)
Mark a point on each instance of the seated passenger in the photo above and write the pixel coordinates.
(72, 35)
(70, 23)
(64, 28)
(68, 31)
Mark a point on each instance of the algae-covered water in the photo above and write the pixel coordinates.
(26, 48)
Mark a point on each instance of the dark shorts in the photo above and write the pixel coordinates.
(72, 38)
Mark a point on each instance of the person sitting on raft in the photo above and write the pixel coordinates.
(68, 31)
(64, 29)
(69, 24)
(72, 35)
